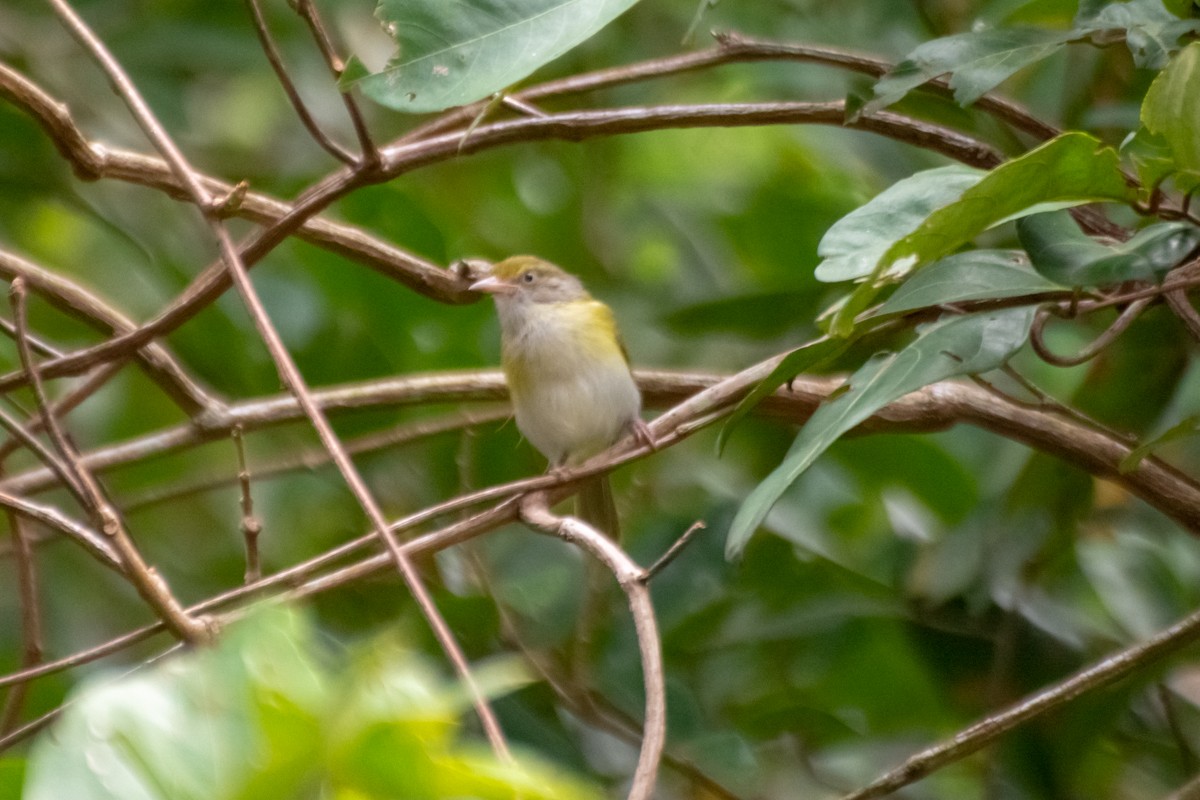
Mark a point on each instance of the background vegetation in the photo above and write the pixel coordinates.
(918, 577)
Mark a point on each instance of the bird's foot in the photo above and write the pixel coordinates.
(642, 434)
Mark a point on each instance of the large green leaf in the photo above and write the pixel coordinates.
(809, 356)
(972, 275)
(961, 345)
(854, 245)
(976, 61)
(1150, 30)
(979, 60)
(1172, 108)
(1072, 168)
(1063, 253)
(452, 52)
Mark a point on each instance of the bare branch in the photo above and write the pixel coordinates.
(1098, 675)
(162, 367)
(289, 88)
(1120, 325)
(308, 12)
(31, 619)
(632, 580)
(149, 584)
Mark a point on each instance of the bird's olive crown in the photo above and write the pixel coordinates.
(540, 281)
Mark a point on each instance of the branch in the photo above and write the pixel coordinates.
(632, 580)
(162, 367)
(935, 407)
(968, 740)
(149, 584)
(289, 88)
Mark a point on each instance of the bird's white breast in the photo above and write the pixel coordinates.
(571, 387)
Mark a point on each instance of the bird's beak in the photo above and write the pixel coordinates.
(492, 285)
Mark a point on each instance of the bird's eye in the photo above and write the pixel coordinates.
(527, 277)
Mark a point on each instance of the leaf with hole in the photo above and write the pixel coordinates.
(853, 246)
(453, 52)
(1074, 167)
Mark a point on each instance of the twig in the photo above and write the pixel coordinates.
(32, 647)
(1178, 300)
(308, 12)
(1096, 676)
(91, 541)
(675, 549)
(39, 346)
(289, 88)
(250, 525)
(149, 584)
(1120, 324)
(632, 580)
(65, 404)
(935, 407)
(404, 433)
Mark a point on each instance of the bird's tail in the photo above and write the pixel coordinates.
(594, 505)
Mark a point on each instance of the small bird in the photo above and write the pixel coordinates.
(567, 372)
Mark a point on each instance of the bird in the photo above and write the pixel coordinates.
(567, 372)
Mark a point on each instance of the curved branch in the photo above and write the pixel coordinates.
(1037, 338)
(632, 580)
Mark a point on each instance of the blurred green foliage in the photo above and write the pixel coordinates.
(904, 587)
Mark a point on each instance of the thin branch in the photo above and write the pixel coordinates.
(401, 434)
(250, 525)
(935, 407)
(65, 404)
(39, 346)
(1178, 300)
(308, 12)
(163, 368)
(92, 541)
(57, 467)
(632, 580)
(675, 549)
(288, 373)
(967, 741)
(289, 88)
(32, 647)
(149, 584)
(1120, 324)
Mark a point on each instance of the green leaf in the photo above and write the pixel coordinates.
(977, 62)
(1062, 252)
(1180, 430)
(1150, 155)
(854, 245)
(452, 52)
(956, 346)
(973, 275)
(1150, 30)
(1180, 8)
(808, 356)
(260, 717)
(1074, 167)
(1172, 108)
